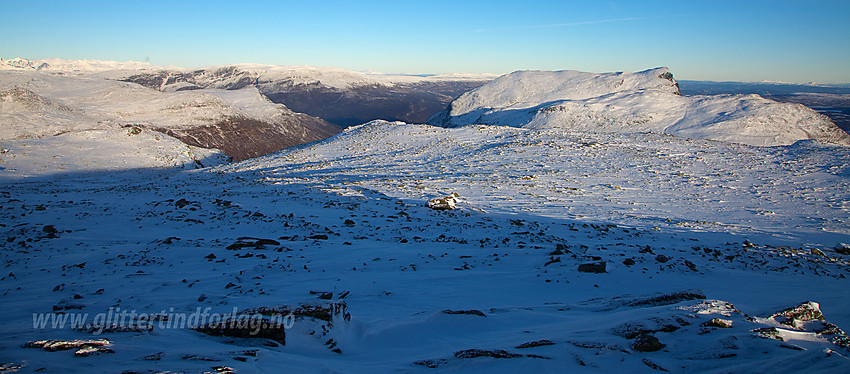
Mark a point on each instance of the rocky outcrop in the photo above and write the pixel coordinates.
(443, 203)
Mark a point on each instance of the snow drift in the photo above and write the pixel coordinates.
(646, 101)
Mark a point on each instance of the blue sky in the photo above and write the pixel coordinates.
(792, 41)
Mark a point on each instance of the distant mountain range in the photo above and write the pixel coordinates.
(342, 97)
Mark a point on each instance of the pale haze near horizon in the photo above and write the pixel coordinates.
(788, 41)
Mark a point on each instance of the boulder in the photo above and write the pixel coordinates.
(647, 343)
(592, 267)
(443, 203)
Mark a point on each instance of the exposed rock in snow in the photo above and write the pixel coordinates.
(84, 348)
(646, 101)
(443, 203)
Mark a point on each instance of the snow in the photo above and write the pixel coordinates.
(643, 180)
(142, 241)
(99, 150)
(646, 101)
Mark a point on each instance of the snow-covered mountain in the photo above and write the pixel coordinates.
(241, 123)
(356, 97)
(339, 96)
(68, 66)
(646, 101)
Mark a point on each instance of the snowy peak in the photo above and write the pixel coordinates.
(527, 89)
(59, 65)
(534, 87)
(23, 64)
(646, 101)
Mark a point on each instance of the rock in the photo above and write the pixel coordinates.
(552, 261)
(809, 311)
(475, 353)
(536, 343)
(768, 333)
(84, 348)
(842, 341)
(318, 237)
(335, 311)
(647, 343)
(749, 244)
(628, 262)
(817, 252)
(668, 299)
(662, 258)
(433, 364)
(182, 203)
(246, 326)
(443, 203)
(349, 222)
(256, 243)
(472, 312)
(653, 365)
(154, 356)
(50, 229)
(719, 323)
(842, 248)
(631, 330)
(593, 267)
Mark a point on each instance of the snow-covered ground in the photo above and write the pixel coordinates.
(797, 193)
(696, 236)
(99, 150)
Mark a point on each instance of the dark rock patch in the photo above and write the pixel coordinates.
(472, 312)
(647, 343)
(593, 267)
